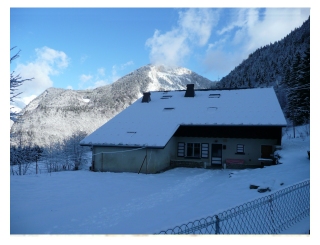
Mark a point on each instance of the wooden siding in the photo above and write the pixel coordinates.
(248, 132)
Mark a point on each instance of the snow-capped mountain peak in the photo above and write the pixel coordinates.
(57, 113)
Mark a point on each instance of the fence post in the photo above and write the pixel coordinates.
(146, 160)
(217, 224)
(272, 215)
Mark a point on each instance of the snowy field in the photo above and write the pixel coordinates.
(85, 202)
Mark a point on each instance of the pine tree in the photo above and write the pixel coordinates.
(298, 89)
(304, 87)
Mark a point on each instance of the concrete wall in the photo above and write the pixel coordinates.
(124, 159)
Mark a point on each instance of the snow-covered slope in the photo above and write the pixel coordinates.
(57, 113)
(85, 202)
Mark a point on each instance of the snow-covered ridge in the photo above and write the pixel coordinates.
(57, 113)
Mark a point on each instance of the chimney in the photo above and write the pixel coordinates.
(189, 91)
(146, 97)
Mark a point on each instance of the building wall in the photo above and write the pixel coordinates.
(252, 148)
(124, 159)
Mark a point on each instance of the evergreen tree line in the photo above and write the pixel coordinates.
(297, 86)
(285, 65)
(60, 156)
(268, 65)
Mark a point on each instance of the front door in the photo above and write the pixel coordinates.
(216, 154)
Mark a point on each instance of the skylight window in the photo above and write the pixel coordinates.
(214, 95)
(166, 96)
(212, 109)
(168, 108)
(131, 133)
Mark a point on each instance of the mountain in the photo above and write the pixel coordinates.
(270, 65)
(57, 113)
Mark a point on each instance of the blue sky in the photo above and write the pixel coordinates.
(82, 48)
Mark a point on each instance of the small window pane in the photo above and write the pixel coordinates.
(189, 149)
(196, 152)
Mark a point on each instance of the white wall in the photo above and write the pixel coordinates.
(125, 159)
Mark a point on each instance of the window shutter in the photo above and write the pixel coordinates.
(204, 150)
(181, 147)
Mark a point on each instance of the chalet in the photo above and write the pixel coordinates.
(236, 128)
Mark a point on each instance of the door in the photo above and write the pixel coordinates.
(266, 151)
(216, 154)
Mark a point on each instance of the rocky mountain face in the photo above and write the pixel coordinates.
(57, 113)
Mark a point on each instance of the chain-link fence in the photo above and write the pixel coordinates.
(267, 215)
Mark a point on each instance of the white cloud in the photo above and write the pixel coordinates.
(173, 47)
(100, 79)
(83, 58)
(197, 24)
(169, 48)
(115, 69)
(276, 24)
(84, 79)
(100, 83)
(95, 84)
(48, 62)
(249, 30)
(101, 72)
(23, 101)
(125, 65)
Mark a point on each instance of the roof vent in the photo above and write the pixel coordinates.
(189, 91)
(146, 97)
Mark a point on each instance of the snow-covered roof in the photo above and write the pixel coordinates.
(153, 124)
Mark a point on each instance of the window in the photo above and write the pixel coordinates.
(180, 149)
(212, 109)
(193, 150)
(168, 109)
(204, 150)
(166, 97)
(214, 95)
(132, 133)
(240, 149)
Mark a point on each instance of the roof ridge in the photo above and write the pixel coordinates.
(209, 89)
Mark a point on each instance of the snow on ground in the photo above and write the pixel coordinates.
(85, 202)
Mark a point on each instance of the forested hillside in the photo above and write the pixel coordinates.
(279, 65)
(269, 65)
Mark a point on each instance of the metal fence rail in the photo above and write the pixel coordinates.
(267, 215)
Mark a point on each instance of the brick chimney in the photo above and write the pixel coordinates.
(146, 97)
(189, 91)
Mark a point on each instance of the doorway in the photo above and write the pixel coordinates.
(266, 151)
(216, 154)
